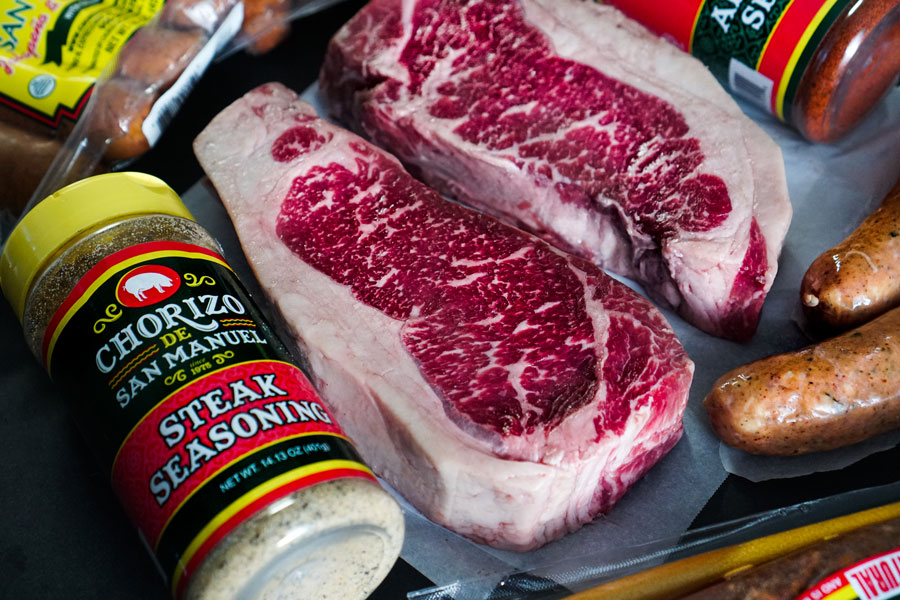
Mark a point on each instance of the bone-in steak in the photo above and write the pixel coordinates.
(510, 391)
(566, 118)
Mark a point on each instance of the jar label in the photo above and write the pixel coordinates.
(182, 389)
(52, 51)
(760, 47)
(876, 578)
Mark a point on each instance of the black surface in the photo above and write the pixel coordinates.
(54, 548)
(738, 497)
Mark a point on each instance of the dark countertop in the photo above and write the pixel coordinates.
(62, 532)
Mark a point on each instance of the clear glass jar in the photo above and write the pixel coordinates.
(223, 455)
(853, 68)
(821, 66)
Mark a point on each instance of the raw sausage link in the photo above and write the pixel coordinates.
(156, 56)
(266, 23)
(147, 65)
(827, 395)
(858, 279)
(24, 157)
(119, 111)
(190, 14)
(787, 577)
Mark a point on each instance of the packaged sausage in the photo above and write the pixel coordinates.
(863, 564)
(88, 85)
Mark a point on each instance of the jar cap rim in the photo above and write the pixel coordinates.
(61, 216)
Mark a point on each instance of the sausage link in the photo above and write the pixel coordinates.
(156, 56)
(27, 148)
(265, 23)
(13, 118)
(858, 279)
(117, 115)
(149, 63)
(189, 14)
(787, 577)
(827, 395)
(24, 157)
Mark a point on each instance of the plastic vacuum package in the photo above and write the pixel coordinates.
(87, 86)
(578, 573)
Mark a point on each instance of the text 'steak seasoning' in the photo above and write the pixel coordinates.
(819, 65)
(231, 467)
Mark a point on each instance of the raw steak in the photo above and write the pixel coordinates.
(508, 390)
(566, 118)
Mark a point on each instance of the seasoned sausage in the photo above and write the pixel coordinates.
(859, 278)
(147, 65)
(787, 577)
(265, 23)
(119, 111)
(827, 395)
(24, 157)
(156, 56)
(13, 118)
(188, 14)
(27, 147)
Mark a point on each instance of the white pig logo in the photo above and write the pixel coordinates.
(144, 282)
(146, 285)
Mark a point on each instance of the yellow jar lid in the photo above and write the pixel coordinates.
(47, 227)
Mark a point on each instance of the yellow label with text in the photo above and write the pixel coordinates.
(52, 51)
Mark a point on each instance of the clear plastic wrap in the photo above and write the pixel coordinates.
(99, 81)
(142, 89)
(579, 572)
(98, 84)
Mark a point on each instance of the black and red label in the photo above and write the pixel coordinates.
(761, 48)
(185, 393)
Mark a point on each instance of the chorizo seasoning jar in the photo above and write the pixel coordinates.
(819, 65)
(231, 467)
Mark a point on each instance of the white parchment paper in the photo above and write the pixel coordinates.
(832, 189)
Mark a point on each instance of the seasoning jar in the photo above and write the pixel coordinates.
(233, 470)
(819, 65)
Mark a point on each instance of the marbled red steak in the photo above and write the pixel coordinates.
(565, 118)
(510, 391)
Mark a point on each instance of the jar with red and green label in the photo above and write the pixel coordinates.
(231, 467)
(819, 65)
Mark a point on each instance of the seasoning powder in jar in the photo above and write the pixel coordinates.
(819, 65)
(231, 467)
